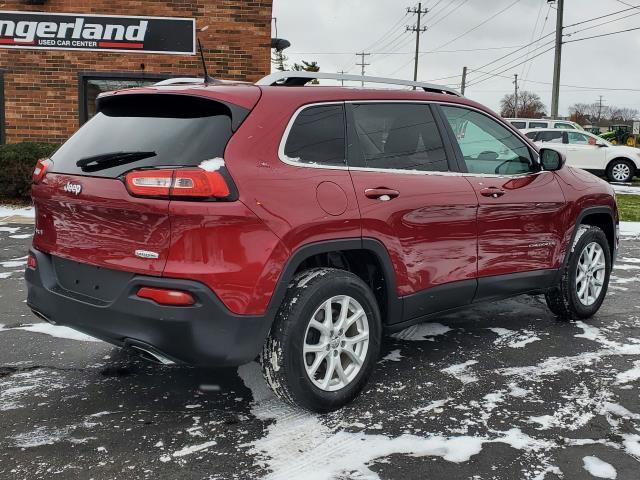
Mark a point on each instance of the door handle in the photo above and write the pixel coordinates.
(493, 192)
(382, 194)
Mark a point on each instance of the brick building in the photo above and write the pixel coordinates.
(56, 56)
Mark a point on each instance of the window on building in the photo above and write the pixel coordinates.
(92, 85)
(399, 136)
(317, 136)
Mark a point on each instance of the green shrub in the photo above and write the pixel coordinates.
(17, 162)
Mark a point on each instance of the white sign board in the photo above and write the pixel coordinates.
(636, 127)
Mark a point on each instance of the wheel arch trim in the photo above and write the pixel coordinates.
(304, 252)
(584, 213)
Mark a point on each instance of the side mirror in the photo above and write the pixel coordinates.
(551, 160)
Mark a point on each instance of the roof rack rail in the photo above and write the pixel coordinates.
(302, 78)
(179, 80)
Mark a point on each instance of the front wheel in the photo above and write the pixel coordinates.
(620, 171)
(585, 277)
(324, 341)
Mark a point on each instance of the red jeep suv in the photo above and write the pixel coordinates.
(209, 223)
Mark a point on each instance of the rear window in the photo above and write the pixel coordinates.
(519, 125)
(137, 131)
(538, 125)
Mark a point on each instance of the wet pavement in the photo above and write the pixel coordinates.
(501, 391)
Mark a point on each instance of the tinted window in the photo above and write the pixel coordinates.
(531, 135)
(551, 136)
(538, 125)
(178, 130)
(399, 136)
(576, 138)
(566, 126)
(519, 125)
(317, 136)
(487, 146)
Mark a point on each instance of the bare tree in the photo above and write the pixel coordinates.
(584, 113)
(529, 105)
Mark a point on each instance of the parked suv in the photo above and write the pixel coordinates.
(210, 224)
(529, 123)
(590, 152)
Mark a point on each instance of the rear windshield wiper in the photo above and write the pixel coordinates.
(113, 159)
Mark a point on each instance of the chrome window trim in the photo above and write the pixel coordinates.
(285, 136)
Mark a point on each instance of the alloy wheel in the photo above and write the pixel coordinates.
(590, 274)
(336, 343)
(621, 172)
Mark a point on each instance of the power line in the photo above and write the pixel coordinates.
(479, 25)
(602, 35)
(437, 21)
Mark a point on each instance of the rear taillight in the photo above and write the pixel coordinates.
(176, 298)
(32, 263)
(41, 169)
(181, 183)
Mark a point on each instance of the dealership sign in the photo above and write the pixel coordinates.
(37, 30)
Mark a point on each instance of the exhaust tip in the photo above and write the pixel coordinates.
(151, 355)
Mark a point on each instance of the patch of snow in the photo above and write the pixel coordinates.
(512, 338)
(40, 436)
(625, 189)
(545, 421)
(599, 468)
(392, 356)
(629, 228)
(7, 211)
(9, 229)
(421, 332)
(629, 375)
(56, 331)
(435, 406)
(21, 237)
(632, 445)
(460, 372)
(194, 448)
(212, 165)
(14, 262)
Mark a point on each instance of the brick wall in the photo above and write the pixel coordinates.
(41, 86)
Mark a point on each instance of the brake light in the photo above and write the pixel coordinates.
(40, 170)
(163, 296)
(182, 183)
(199, 183)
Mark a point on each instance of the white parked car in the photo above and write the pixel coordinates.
(530, 123)
(590, 152)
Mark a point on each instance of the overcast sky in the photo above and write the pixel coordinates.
(331, 31)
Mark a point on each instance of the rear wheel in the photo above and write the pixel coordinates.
(324, 341)
(585, 277)
(620, 171)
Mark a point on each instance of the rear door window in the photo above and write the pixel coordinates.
(317, 136)
(399, 136)
(576, 138)
(519, 125)
(538, 125)
(136, 131)
(553, 136)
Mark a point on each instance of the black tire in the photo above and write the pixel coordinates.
(563, 300)
(620, 162)
(283, 361)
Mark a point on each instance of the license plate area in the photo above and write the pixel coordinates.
(89, 280)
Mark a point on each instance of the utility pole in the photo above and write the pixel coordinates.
(463, 85)
(600, 109)
(362, 64)
(342, 81)
(418, 30)
(515, 98)
(555, 98)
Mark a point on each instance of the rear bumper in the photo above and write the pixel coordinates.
(205, 334)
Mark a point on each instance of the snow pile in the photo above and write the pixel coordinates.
(598, 468)
(8, 211)
(212, 165)
(629, 229)
(392, 356)
(630, 375)
(55, 331)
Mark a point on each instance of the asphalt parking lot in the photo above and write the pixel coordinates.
(502, 391)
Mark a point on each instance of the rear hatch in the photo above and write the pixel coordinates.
(84, 211)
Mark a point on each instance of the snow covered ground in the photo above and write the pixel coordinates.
(499, 391)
